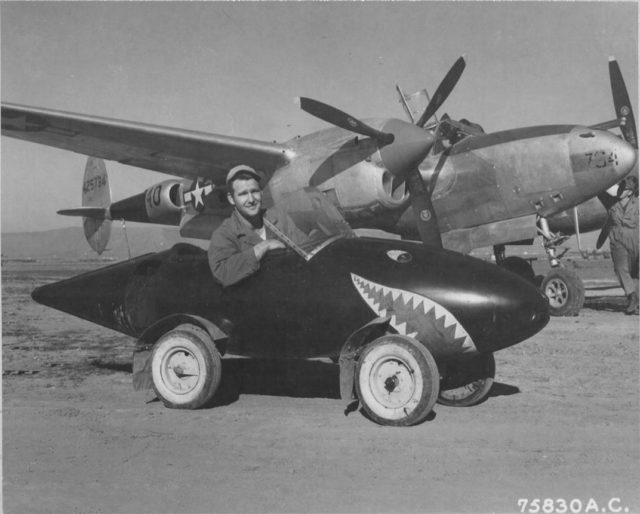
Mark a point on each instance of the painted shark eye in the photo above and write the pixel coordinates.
(400, 256)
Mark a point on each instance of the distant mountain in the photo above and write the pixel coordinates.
(70, 244)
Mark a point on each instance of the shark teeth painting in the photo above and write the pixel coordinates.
(416, 316)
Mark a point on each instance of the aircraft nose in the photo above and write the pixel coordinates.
(602, 156)
(410, 146)
(627, 158)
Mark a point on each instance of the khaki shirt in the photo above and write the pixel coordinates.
(231, 255)
(623, 216)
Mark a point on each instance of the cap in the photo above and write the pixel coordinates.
(242, 168)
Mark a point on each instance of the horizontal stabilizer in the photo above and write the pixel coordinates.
(98, 213)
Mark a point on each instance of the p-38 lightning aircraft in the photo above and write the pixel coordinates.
(563, 287)
(473, 191)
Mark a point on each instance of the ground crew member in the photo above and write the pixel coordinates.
(623, 239)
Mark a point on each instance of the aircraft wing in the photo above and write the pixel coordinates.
(183, 153)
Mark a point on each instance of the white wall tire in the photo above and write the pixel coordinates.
(469, 383)
(186, 368)
(397, 380)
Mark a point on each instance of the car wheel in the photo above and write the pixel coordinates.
(467, 383)
(565, 292)
(186, 368)
(397, 380)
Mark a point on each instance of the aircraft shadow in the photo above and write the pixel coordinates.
(606, 303)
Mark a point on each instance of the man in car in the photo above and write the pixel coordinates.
(242, 240)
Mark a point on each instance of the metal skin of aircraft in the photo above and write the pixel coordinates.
(475, 191)
(540, 170)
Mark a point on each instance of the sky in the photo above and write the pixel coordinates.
(235, 68)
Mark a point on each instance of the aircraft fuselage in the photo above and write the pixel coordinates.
(480, 185)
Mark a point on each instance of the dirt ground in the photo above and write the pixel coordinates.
(561, 423)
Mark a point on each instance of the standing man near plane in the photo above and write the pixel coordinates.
(623, 239)
(238, 245)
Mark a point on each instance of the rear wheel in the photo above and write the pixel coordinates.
(565, 292)
(397, 380)
(467, 383)
(186, 368)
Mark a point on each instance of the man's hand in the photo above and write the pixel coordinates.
(264, 246)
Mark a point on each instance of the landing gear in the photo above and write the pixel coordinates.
(397, 380)
(186, 368)
(565, 292)
(563, 287)
(467, 383)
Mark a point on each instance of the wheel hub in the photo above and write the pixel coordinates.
(180, 371)
(392, 383)
(557, 293)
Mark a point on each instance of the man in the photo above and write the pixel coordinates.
(623, 239)
(238, 245)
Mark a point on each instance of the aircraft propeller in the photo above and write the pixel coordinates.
(425, 214)
(343, 120)
(444, 90)
(622, 104)
(413, 147)
(627, 123)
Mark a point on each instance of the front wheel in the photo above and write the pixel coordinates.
(467, 383)
(186, 368)
(565, 291)
(397, 380)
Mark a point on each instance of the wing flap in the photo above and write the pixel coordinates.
(178, 152)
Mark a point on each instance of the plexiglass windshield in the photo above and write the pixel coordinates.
(318, 222)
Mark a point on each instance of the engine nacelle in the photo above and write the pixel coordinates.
(367, 190)
(161, 203)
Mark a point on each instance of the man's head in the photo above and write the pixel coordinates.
(631, 184)
(244, 192)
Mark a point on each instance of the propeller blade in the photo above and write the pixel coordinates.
(443, 91)
(622, 104)
(343, 120)
(602, 237)
(426, 219)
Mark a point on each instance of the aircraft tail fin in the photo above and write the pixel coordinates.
(96, 201)
(96, 193)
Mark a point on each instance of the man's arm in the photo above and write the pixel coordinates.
(228, 262)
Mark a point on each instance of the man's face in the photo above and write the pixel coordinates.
(246, 196)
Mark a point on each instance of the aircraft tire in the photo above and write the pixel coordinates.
(397, 380)
(186, 368)
(565, 291)
(520, 267)
(468, 383)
